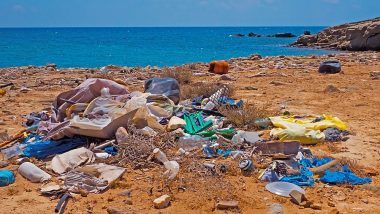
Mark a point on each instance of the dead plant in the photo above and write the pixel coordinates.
(139, 147)
(202, 89)
(246, 116)
(183, 76)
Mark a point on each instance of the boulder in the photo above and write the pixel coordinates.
(356, 36)
(306, 39)
(238, 35)
(330, 67)
(306, 32)
(254, 35)
(283, 35)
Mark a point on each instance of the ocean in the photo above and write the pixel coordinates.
(133, 46)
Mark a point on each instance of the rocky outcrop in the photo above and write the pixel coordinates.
(356, 36)
(283, 35)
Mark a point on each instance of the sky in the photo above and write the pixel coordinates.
(158, 13)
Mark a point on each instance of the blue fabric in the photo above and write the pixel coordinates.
(41, 149)
(320, 161)
(344, 177)
(111, 150)
(305, 176)
(6, 177)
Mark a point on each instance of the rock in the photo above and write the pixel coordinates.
(121, 135)
(331, 89)
(374, 75)
(276, 209)
(255, 57)
(250, 88)
(226, 77)
(225, 205)
(331, 204)
(128, 201)
(283, 35)
(253, 35)
(306, 32)
(334, 211)
(356, 36)
(4, 136)
(330, 67)
(304, 40)
(200, 74)
(306, 204)
(24, 89)
(51, 66)
(238, 35)
(316, 206)
(176, 123)
(277, 83)
(297, 197)
(114, 210)
(162, 202)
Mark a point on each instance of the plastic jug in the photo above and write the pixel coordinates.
(33, 173)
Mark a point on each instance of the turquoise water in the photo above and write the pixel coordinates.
(96, 47)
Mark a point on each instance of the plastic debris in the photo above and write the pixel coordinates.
(6, 177)
(33, 173)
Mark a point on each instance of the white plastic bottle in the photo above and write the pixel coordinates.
(172, 167)
(33, 173)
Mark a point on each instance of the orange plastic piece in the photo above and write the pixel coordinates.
(219, 67)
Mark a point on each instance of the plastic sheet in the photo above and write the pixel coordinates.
(306, 130)
(344, 177)
(165, 86)
(41, 149)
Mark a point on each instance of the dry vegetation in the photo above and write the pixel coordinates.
(246, 116)
(182, 75)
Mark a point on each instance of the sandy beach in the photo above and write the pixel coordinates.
(283, 83)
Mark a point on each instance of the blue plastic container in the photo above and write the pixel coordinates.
(6, 177)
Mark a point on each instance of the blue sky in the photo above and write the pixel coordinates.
(97, 13)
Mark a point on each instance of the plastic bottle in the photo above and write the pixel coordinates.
(6, 177)
(214, 99)
(33, 173)
(172, 167)
(192, 142)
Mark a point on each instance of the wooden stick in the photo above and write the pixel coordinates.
(324, 167)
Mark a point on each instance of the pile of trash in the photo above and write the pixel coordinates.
(101, 120)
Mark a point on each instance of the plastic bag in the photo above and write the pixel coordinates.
(306, 130)
(165, 86)
(6, 177)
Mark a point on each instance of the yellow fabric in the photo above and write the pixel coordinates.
(302, 129)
